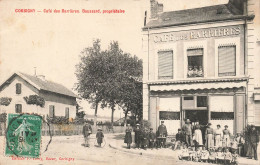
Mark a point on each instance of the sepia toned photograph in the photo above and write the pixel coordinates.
(110, 82)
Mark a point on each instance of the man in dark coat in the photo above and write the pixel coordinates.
(152, 138)
(87, 130)
(138, 134)
(99, 137)
(145, 138)
(254, 139)
(187, 130)
(128, 136)
(162, 131)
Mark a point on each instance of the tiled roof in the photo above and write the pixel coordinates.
(48, 85)
(196, 15)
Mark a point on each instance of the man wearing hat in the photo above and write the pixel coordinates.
(151, 138)
(87, 130)
(138, 135)
(209, 136)
(254, 140)
(187, 129)
(162, 131)
(226, 137)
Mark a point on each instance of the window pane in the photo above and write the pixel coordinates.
(166, 115)
(202, 101)
(195, 63)
(222, 115)
(165, 65)
(188, 98)
(227, 61)
(18, 108)
(18, 88)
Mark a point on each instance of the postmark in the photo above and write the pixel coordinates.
(23, 135)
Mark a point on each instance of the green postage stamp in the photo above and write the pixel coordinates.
(23, 135)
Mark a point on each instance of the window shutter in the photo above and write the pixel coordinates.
(18, 88)
(195, 52)
(165, 65)
(67, 112)
(18, 108)
(227, 61)
(51, 111)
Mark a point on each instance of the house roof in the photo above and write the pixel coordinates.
(42, 84)
(197, 15)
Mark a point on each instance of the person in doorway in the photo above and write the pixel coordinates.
(128, 136)
(197, 137)
(218, 136)
(87, 130)
(254, 140)
(226, 137)
(162, 131)
(99, 136)
(209, 136)
(138, 135)
(187, 129)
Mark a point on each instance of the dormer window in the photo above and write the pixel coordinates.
(18, 88)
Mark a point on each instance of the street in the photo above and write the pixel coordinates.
(69, 150)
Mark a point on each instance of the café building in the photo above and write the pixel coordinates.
(196, 67)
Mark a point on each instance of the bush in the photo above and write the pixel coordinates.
(58, 120)
(5, 101)
(3, 117)
(35, 99)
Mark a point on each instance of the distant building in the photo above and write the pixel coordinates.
(59, 101)
(202, 64)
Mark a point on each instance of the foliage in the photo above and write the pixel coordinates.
(80, 114)
(58, 120)
(5, 101)
(145, 124)
(3, 117)
(109, 77)
(35, 99)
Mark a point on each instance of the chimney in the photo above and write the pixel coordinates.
(42, 77)
(155, 8)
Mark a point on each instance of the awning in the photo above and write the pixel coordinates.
(197, 86)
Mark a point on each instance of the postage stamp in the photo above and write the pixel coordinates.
(23, 135)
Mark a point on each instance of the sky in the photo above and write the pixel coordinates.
(52, 42)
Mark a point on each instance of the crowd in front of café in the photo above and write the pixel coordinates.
(197, 143)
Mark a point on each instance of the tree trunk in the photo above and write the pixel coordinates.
(112, 115)
(95, 117)
(125, 118)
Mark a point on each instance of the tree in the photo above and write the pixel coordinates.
(105, 76)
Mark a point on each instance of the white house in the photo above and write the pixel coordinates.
(59, 101)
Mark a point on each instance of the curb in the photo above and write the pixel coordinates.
(145, 154)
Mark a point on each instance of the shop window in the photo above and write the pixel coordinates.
(227, 61)
(18, 88)
(165, 65)
(202, 101)
(166, 115)
(51, 111)
(195, 63)
(18, 108)
(67, 112)
(222, 115)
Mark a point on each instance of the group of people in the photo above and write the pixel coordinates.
(87, 131)
(145, 138)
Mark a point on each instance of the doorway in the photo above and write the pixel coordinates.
(195, 116)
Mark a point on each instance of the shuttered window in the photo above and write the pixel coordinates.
(51, 110)
(18, 88)
(165, 64)
(227, 61)
(18, 108)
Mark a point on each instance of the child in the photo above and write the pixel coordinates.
(220, 156)
(212, 155)
(192, 154)
(234, 158)
(204, 155)
(227, 156)
(197, 155)
(184, 154)
(234, 146)
(99, 137)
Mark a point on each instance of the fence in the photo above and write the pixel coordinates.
(67, 129)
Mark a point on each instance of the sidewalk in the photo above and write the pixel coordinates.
(116, 141)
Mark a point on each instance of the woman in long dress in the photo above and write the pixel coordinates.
(197, 137)
(128, 136)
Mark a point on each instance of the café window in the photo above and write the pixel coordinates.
(51, 111)
(165, 64)
(18, 88)
(227, 61)
(195, 63)
(202, 101)
(166, 115)
(18, 108)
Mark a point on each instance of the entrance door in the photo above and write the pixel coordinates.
(200, 116)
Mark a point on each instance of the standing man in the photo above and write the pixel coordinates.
(226, 137)
(187, 128)
(209, 136)
(254, 139)
(87, 130)
(138, 135)
(162, 131)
